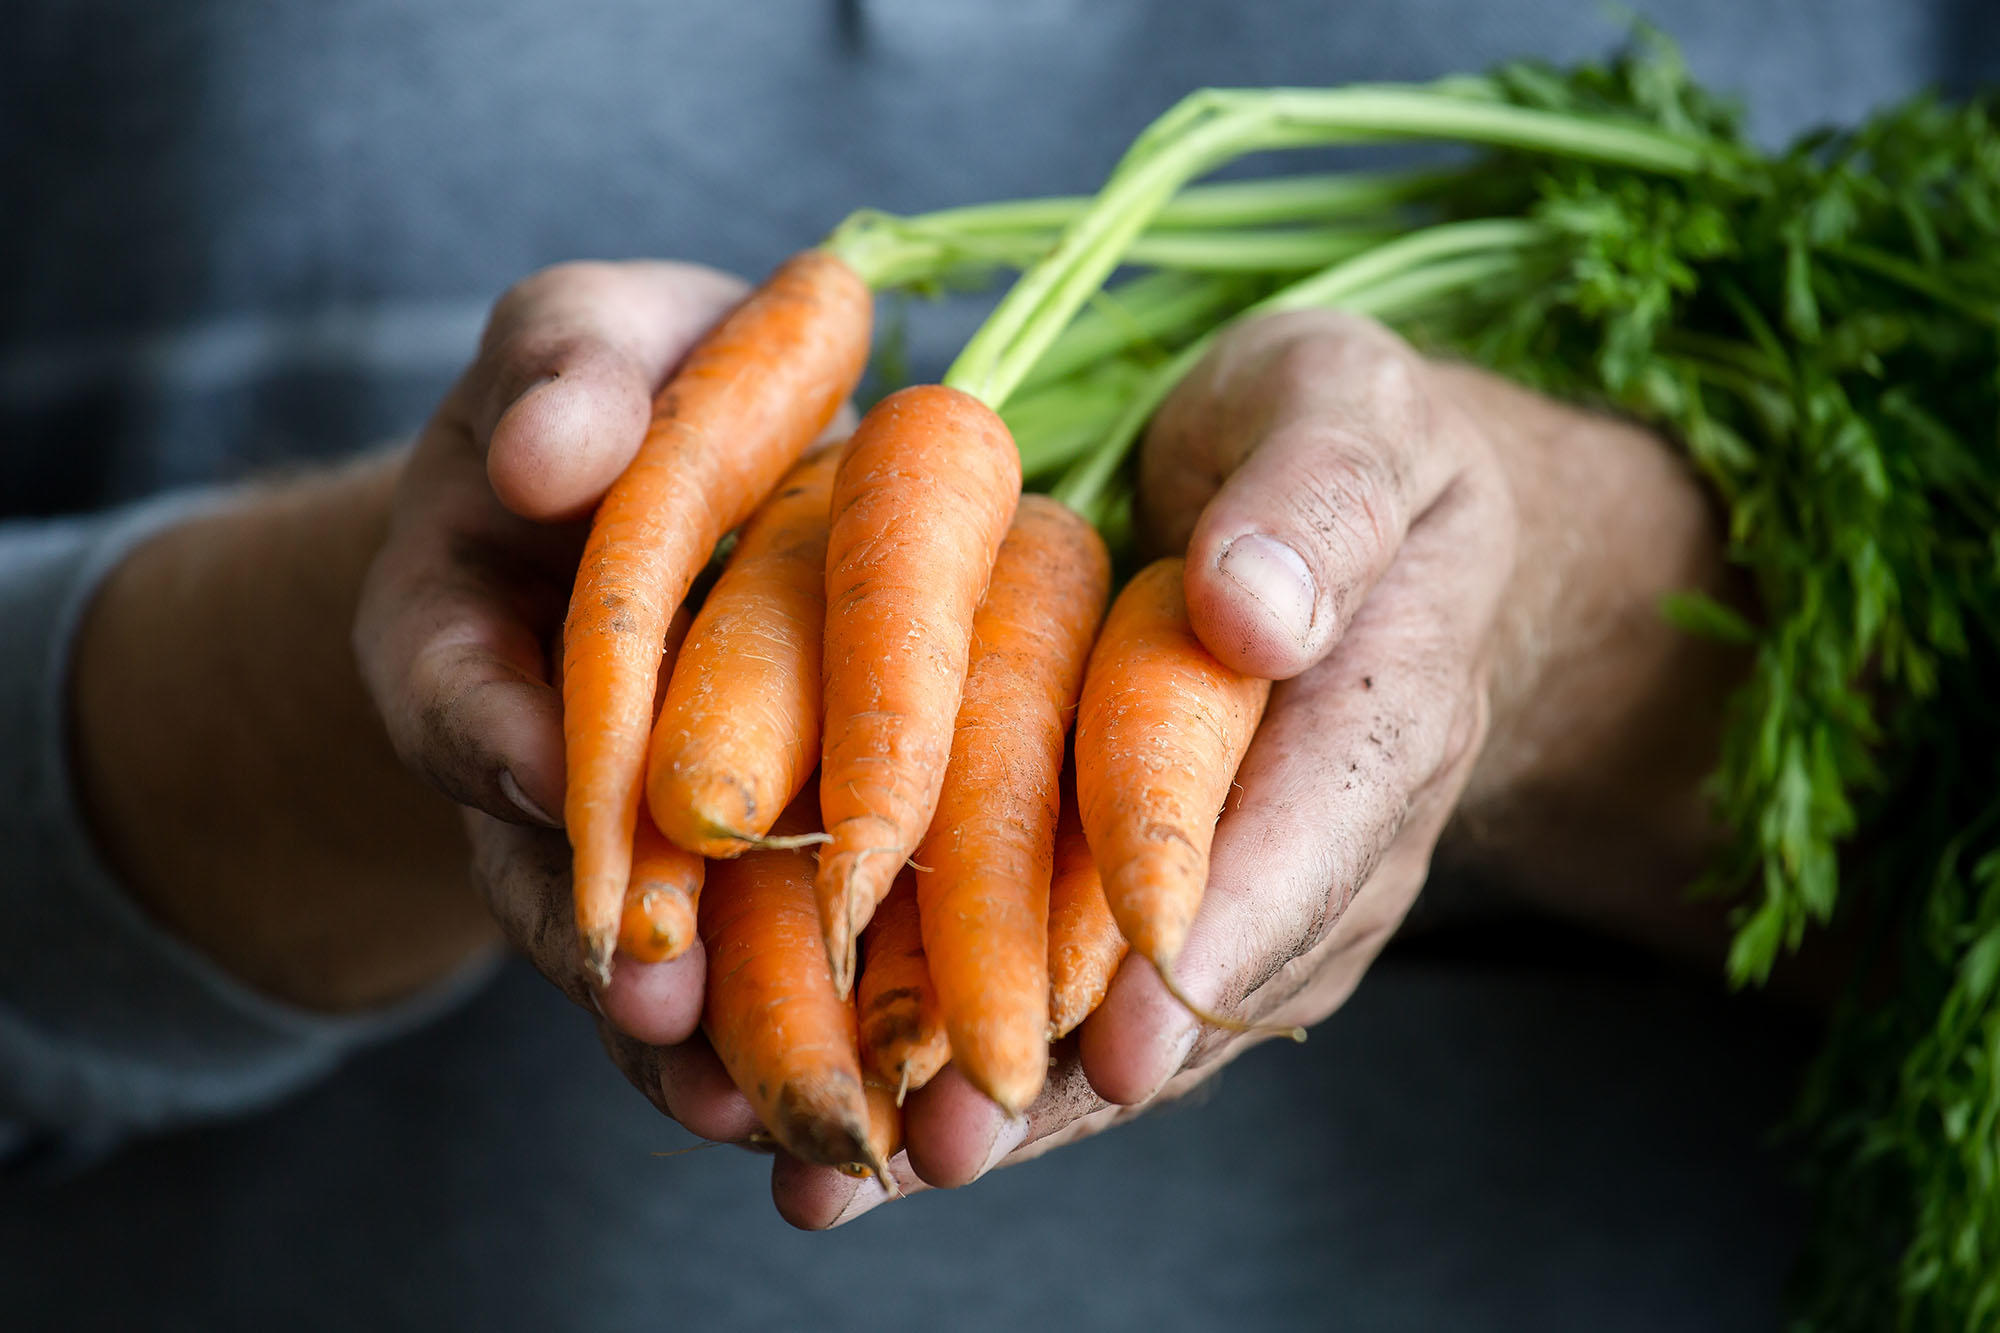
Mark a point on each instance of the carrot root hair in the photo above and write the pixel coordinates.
(770, 843)
(597, 951)
(1223, 1021)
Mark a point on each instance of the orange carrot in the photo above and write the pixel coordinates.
(743, 406)
(788, 1040)
(659, 915)
(983, 877)
(657, 922)
(1159, 735)
(902, 1034)
(739, 733)
(921, 502)
(1085, 946)
(885, 1129)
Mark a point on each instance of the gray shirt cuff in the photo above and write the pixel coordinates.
(109, 1026)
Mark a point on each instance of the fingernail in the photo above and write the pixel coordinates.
(1177, 1059)
(523, 802)
(1005, 1139)
(1275, 576)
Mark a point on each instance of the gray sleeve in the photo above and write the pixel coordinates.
(109, 1026)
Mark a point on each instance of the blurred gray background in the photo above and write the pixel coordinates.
(241, 235)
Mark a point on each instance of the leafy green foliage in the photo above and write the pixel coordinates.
(1822, 331)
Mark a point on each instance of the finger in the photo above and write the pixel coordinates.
(686, 1083)
(562, 390)
(657, 1003)
(524, 873)
(1071, 1109)
(956, 1133)
(1289, 466)
(446, 633)
(698, 1092)
(815, 1198)
(1390, 721)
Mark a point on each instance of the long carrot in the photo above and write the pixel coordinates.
(747, 401)
(739, 733)
(921, 502)
(1085, 945)
(1159, 735)
(658, 919)
(983, 868)
(786, 1037)
(902, 1033)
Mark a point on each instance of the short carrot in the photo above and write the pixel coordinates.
(786, 1037)
(739, 732)
(1085, 946)
(921, 501)
(1160, 733)
(885, 1130)
(902, 1033)
(984, 866)
(658, 919)
(743, 406)
(658, 922)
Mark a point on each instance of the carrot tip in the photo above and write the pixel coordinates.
(1223, 1021)
(903, 1085)
(597, 948)
(872, 1166)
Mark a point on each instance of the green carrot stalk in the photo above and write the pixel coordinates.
(1386, 282)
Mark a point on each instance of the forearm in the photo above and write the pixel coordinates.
(1606, 718)
(233, 770)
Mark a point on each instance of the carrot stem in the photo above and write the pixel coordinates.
(1379, 282)
(1212, 127)
(891, 251)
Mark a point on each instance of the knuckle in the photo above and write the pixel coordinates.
(435, 733)
(1369, 362)
(569, 275)
(1344, 496)
(525, 324)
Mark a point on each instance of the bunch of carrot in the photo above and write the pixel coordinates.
(895, 615)
(860, 747)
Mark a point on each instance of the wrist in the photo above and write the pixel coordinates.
(232, 771)
(1605, 718)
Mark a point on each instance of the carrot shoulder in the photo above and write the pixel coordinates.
(744, 405)
(921, 501)
(786, 1037)
(739, 733)
(983, 868)
(1161, 730)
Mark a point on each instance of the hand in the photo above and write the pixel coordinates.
(471, 583)
(1456, 582)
